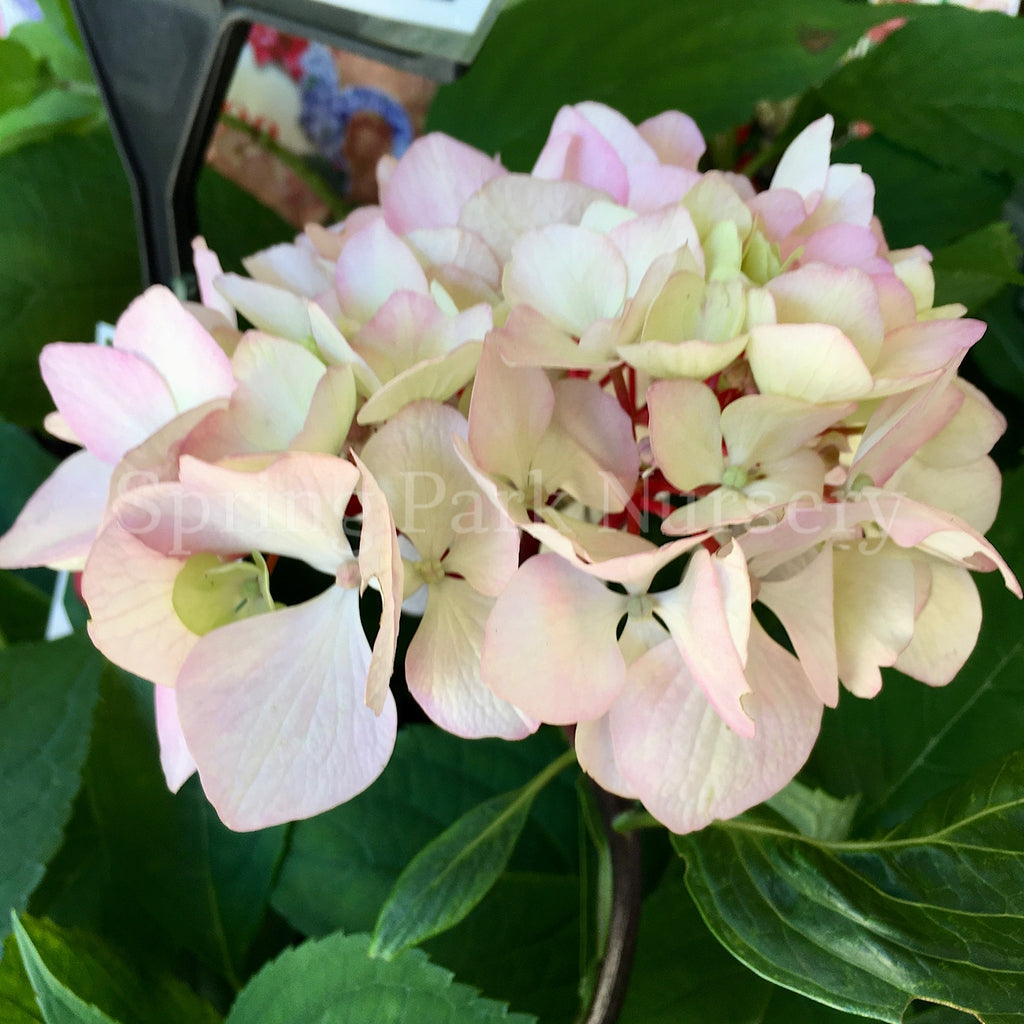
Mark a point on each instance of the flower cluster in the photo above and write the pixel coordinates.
(588, 428)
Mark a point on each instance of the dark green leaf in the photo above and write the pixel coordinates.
(713, 61)
(19, 74)
(521, 945)
(26, 466)
(947, 85)
(233, 222)
(920, 202)
(24, 609)
(454, 872)
(334, 981)
(67, 257)
(341, 865)
(682, 975)
(207, 887)
(934, 910)
(1000, 353)
(976, 268)
(77, 978)
(813, 812)
(913, 741)
(53, 112)
(47, 693)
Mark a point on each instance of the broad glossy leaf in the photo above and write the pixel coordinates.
(920, 202)
(913, 741)
(977, 267)
(1000, 354)
(205, 886)
(683, 975)
(67, 257)
(341, 865)
(78, 978)
(947, 85)
(24, 609)
(47, 694)
(932, 910)
(713, 61)
(334, 981)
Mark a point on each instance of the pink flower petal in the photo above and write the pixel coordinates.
(272, 709)
(571, 668)
(208, 270)
(432, 181)
(175, 759)
(595, 753)
(805, 164)
(675, 138)
(443, 666)
(684, 762)
(579, 153)
(112, 400)
(58, 523)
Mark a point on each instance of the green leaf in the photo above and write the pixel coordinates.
(454, 872)
(934, 910)
(50, 42)
(714, 61)
(19, 74)
(947, 85)
(334, 981)
(813, 812)
(26, 466)
(976, 268)
(682, 974)
(913, 741)
(1000, 353)
(53, 112)
(47, 693)
(78, 978)
(205, 886)
(341, 865)
(920, 202)
(67, 257)
(24, 609)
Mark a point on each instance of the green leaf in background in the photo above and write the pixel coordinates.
(683, 975)
(67, 257)
(933, 910)
(976, 268)
(47, 693)
(450, 875)
(334, 981)
(19, 74)
(205, 886)
(913, 741)
(341, 865)
(947, 85)
(1000, 353)
(713, 61)
(53, 112)
(813, 812)
(78, 978)
(920, 202)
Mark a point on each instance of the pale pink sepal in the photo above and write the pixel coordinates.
(208, 270)
(273, 711)
(805, 164)
(111, 399)
(175, 760)
(595, 753)
(443, 666)
(267, 307)
(571, 668)
(686, 765)
(432, 181)
(59, 522)
(675, 138)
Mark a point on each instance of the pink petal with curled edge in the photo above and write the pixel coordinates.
(550, 646)
(812, 362)
(571, 275)
(432, 181)
(510, 409)
(924, 347)
(112, 400)
(375, 264)
(684, 762)
(686, 435)
(208, 269)
(175, 760)
(629, 143)
(380, 562)
(578, 152)
(675, 138)
(272, 709)
(58, 523)
(803, 603)
(443, 666)
(128, 589)
(874, 615)
(157, 327)
(653, 186)
(946, 629)
(709, 618)
(804, 166)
